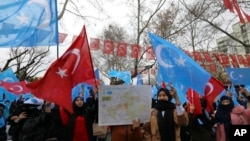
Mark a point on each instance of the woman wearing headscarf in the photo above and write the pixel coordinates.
(79, 125)
(223, 118)
(227, 115)
(166, 118)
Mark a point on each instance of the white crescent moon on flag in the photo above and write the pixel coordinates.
(8, 79)
(231, 75)
(108, 46)
(211, 88)
(160, 61)
(77, 53)
(46, 21)
(16, 88)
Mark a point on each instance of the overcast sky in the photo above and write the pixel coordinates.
(96, 19)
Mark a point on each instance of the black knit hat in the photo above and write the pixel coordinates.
(166, 91)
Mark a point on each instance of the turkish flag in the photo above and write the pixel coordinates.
(213, 88)
(136, 50)
(207, 57)
(150, 53)
(233, 57)
(217, 57)
(108, 47)
(121, 49)
(224, 59)
(73, 67)
(246, 15)
(241, 59)
(238, 10)
(194, 99)
(235, 65)
(197, 56)
(15, 87)
(228, 5)
(248, 58)
(163, 84)
(62, 37)
(94, 44)
(213, 68)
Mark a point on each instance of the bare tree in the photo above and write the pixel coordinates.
(106, 62)
(212, 13)
(27, 62)
(142, 18)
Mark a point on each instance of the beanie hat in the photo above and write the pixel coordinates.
(166, 91)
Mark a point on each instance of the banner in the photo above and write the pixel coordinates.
(120, 104)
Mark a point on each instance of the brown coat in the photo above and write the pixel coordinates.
(125, 133)
(151, 131)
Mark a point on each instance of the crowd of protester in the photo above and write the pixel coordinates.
(34, 119)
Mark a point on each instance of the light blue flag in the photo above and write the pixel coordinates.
(7, 97)
(158, 79)
(28, 23)
(239, 76)
(177, 67)
(247, 87)
(97, 76)
(139, 80)
(8, 76)
(81, 88)
(234, 96)
(125, 76)
(180, 89)
(154, 92)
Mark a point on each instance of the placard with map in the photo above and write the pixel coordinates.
(120, 104)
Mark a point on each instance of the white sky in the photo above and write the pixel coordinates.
(113, 11)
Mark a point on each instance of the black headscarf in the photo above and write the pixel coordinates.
(222, 115)
(77, 111)
(166, 123)
(223, 111)
(163, 104)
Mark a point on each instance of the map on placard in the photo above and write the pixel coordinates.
(120, 104)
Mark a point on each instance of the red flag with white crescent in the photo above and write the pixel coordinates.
(135, 51)
(108, 47)
(213, 88)
(73, 67)
(121, 49)
(15, 87)
(194, 99)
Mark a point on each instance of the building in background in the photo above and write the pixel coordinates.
(229, 46)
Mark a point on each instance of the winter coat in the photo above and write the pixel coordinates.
(239, 116)
(151, 131)
(125, 133)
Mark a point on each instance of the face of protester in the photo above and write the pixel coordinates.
(225, 102)
(79, 102)
(162, 96)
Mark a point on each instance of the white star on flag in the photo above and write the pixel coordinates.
(180, 61)
(23, 19)
(61, 72)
